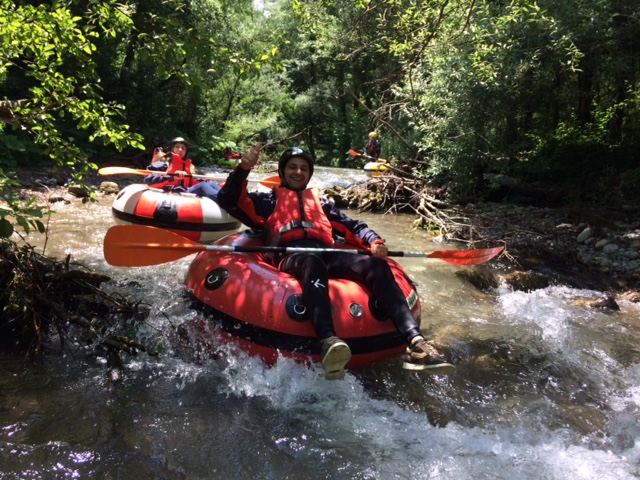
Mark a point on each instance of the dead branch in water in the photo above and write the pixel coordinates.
(44, 299)
(393, 194)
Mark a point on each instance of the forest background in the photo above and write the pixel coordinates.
(545, 92)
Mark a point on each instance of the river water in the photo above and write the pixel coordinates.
(545, 388)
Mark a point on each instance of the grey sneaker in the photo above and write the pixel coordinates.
(335, 355)
(425, 358)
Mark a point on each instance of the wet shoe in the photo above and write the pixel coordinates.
(335, 355)
(423, 357)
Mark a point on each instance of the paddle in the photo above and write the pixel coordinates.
(136, 171)
(273, 181)
(353, 153)
(140, 246)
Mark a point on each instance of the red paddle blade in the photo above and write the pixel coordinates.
(467, 257)
(141, 246)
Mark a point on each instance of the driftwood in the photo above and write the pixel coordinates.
(394, 194)
(40, 296)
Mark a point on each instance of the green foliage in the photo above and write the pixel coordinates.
(526, 88)
(52, 49)
(542, 90)
(47, 64)
(244, 111)
(18, 147)
(334, 71)
(207, 55)
(13, 211)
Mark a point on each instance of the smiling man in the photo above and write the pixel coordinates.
(293, 215)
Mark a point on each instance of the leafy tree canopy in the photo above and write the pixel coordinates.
(542, 90)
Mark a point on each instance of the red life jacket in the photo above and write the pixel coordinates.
(180, 164)
(298, 215)
(372, 148)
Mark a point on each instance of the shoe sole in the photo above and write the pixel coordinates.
(436, 369)
(335, 360)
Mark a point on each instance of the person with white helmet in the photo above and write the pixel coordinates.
(293, 215)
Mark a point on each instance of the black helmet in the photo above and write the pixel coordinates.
(294, 152)
(178, 140)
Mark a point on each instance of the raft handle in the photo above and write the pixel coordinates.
(295, 309)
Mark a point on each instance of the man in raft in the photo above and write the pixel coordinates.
(293, 215)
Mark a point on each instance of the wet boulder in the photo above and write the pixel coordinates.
(110, 188)
(525, 281)
(481, 277)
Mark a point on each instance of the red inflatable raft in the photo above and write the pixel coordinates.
(260, 307)
(197, 218)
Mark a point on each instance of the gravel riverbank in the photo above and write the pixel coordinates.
(598, 249)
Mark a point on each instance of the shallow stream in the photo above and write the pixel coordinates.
(545, 388)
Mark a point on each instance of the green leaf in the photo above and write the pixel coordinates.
(23, 223)
(6, 229)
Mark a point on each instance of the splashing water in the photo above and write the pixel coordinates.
(545, 388)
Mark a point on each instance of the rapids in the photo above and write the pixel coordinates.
(544, 389)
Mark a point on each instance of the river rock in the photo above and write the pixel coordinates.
(610, 248)
(584, 235)
(485, 362)
(630, 296)
(601, 243)
(526, 281)
(605, 303)
(564, 227)
(78, 191)
(109, 187)
(59, 198)
(585, 418)
(480, 276)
